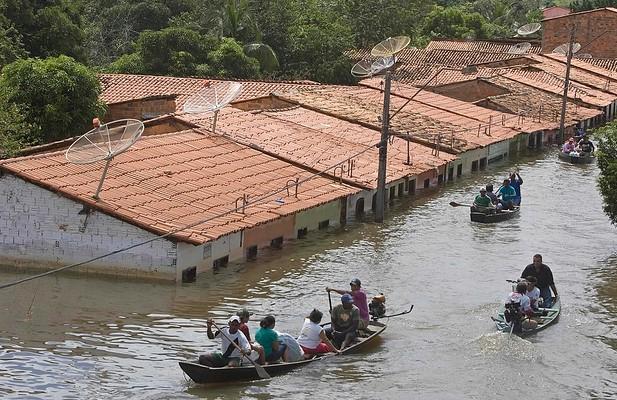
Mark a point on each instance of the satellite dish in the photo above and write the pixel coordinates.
(212, 98)
(528, 29)
(104, 142)
(381, 64)
(584, 55)
(362, 69)
(519, 48)
(391, 46)
(563, 48)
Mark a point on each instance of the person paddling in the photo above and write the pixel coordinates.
(544, 275)
(229, 355)
(482, 203)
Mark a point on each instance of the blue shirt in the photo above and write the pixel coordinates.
(516, 184)
(507, 193)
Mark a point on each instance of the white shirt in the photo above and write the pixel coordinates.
(237, 337)
(522, 299)
(309, 335)
(534, 296)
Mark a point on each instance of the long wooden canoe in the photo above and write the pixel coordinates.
(547, 320)
(583, 158)
(498, 216)
(203, 374)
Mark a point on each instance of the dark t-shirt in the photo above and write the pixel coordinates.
(544, 276)
(245, 329)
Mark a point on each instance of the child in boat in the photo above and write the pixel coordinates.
(533, 292)
(268, 338)
(569, 146)
(520, 296)
(313, 338)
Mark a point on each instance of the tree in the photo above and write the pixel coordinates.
(455, 22)
(229, 61)
(11, 46)
(61, 103)
(607, 161)
(14, 131)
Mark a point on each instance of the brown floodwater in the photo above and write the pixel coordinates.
(81, 337)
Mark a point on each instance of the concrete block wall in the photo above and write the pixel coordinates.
(40, 229)
(596, 30)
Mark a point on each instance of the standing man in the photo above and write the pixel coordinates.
(516, 181)
(545, 283)
(359, 300)
(345, 320)
(229, 354)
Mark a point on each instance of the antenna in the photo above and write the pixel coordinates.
(519, 48)
(528, 29)
(390, 46)
(104, 142)
(563, 48)
(213, 97)
(381, 64)
(362, 69)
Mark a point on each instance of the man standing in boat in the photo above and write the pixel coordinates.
(516, 181)
(545, 283)
(359, 300)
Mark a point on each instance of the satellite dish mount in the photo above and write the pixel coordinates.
(104, 142)
(213, 97)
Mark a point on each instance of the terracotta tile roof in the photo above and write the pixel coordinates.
(470, 110)
(604, 63)
(485, 46)
(119, 88)
(318, 149)
(587, 65)
(426, 124)
(165, 182)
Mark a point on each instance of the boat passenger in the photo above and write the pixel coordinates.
(544, 275)
(516, 181)
(345, 319)
(493, 197)
(294, 352)
(520, 296)
(585, 145)
(245, 316)
(482, 203)
(533, 292)
(268, 338)
(507, 194)
(313, 338)
(569, 146)
(359, 300)
(229, 355)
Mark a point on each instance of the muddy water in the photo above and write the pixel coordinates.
(80, 337)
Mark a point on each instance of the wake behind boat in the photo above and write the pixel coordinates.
(203, 374)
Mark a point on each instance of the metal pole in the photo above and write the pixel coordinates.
(383, 151)
(566, 84)
(98, 189)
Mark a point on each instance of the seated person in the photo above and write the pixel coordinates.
(245, 315)
(229, 355)
(507, 194)
(585, 145)
(533, 292)
(268, 338)
(345, 320)
(313, 338)
(569, 146)
(520, 296)
(493, 197)
(482, 203)
(294, 352)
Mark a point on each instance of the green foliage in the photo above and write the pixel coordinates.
(61, 103)
(268, 60)
(14, 131)
(11, 46)
(229, 61)
(584, 5)
(607, 161)
(454, 22)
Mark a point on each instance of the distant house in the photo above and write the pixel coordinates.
(555, 11)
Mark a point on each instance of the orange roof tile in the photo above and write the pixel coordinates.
(119, 88)
(426, 124)
(165, 182)
(490, 46)
(609, 64)
(295, 135)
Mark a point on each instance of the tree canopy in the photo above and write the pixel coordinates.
(607, 161)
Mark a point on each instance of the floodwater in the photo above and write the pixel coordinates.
(80, 337)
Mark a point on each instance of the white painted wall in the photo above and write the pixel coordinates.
(41, 229)
(203, 255)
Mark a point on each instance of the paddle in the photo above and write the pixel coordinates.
(260, 370)
(329, 300)
(455, 204)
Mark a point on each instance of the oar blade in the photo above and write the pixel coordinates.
(261, 371)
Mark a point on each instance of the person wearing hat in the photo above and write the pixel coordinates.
(345, 319)
(359, 300)
(569, 146)
(229, 354)
(245, 315)
(483, 203)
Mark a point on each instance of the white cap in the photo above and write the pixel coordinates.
(234, 318)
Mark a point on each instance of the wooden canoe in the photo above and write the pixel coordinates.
(498, 216)
(203, 374)
(551, 317)
(584, 158)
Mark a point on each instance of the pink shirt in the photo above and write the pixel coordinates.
(359, 300)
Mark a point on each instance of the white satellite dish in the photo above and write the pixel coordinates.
(362, 69)
(584, 55)
(390, 46)
(381, 64)
(212, 98)
(563, 48)
(519, 48)
(104, 142)
(528, 29)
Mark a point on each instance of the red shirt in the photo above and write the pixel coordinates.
(245, 329)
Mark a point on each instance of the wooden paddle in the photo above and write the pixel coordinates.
(455, 204)
(329, 300)
(260, 370)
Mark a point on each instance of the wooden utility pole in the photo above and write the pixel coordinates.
(383, 151)
(564, 100)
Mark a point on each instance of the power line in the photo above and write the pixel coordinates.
(174, 231)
